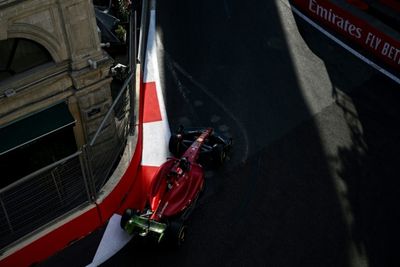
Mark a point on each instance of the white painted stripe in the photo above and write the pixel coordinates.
(155, 143)
(151, 71)
(348, 48)
(114, 239)
(155, 134)
(159, 87)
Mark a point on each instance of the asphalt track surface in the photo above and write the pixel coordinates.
(313, 177)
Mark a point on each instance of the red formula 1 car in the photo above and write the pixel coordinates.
(177, 185)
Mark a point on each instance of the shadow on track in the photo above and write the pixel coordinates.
(369, 167)
(280, 207)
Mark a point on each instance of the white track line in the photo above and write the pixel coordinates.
(345, 46)
(113, 240)
(155, 134)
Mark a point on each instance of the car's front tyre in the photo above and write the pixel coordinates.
(126, 217)
(175, 145)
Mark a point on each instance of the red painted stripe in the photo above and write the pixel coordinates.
(56, 240)
(151, 111)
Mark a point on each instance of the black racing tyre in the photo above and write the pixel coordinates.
(176, 233)
(175, 146)
(126, 217)
(219, 155)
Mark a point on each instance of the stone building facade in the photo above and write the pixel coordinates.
(77, 73)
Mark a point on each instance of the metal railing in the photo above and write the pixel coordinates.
(49, 193)
(43, 197)
(100, 164)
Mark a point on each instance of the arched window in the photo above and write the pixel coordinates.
(19, 55)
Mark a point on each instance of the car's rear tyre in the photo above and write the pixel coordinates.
(176, 233)
(126, 217)
(218, 155)
(221, 154)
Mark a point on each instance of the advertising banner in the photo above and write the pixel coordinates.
(353, 28)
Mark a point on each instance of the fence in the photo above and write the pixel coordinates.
(45, 195)
(41, 198)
